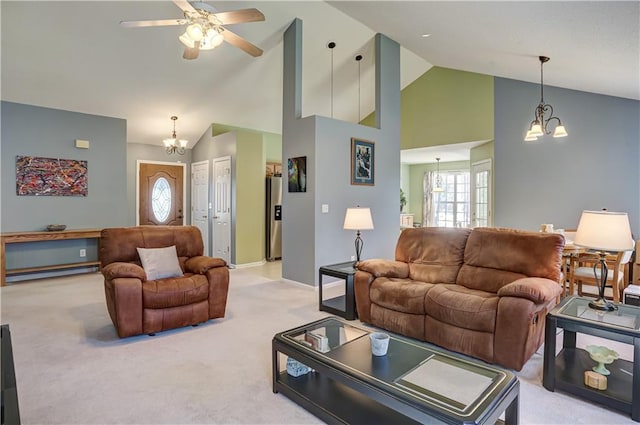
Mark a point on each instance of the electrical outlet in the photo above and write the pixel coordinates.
(353, 258)
(83, 253)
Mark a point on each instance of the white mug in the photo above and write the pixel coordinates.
(379, 343)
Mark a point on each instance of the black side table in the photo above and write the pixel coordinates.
(566, 370)
(343, 305)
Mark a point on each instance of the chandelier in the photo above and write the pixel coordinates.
(438, 187)
(543, 115)
(174, 145)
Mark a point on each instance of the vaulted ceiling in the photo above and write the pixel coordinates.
(75, 56)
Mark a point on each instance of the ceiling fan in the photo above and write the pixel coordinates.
(205, 29)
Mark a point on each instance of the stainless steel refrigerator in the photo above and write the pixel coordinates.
(274, 218)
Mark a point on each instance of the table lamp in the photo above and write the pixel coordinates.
(603, 231)
(358, 219)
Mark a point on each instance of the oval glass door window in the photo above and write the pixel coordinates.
(161, 199)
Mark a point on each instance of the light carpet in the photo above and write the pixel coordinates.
(71, 367)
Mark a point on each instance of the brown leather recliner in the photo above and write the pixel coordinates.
(137, 305)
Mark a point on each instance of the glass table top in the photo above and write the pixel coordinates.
(626, 316)
(418, 370)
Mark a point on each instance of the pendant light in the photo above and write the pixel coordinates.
(540, 125)
(438, 187)
(174, 145)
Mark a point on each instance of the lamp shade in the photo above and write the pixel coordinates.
(560, 131)
(604, 231)
(536, 130)
(358, 219)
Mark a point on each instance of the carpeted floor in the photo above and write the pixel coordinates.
(71, 368)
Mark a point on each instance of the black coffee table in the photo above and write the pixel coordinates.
(414, 383)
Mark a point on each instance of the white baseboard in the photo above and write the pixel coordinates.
(246, 265)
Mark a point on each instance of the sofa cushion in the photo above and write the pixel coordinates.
(462, 307)
(434, 254)
(174, 292)
(495, 257)
(403, 295)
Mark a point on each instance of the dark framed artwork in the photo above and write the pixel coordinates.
(37, 176)
(363, 168)
(297, 174)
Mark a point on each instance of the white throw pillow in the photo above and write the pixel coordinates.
(159, 263)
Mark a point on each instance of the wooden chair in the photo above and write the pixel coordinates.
(581, 272)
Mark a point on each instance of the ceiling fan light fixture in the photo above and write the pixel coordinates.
(195, 32)
(187, 41)
(212, 40)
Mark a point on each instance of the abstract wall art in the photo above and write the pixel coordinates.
(36, 176)
(297, 174)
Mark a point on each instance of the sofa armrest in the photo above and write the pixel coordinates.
(202, 263)
(537, 289)
(120, 269)
(384, 268)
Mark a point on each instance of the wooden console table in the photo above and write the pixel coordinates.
(21, 237)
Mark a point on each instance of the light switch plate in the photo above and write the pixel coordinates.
(325, 208)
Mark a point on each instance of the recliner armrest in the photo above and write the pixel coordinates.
(537, 289)
(202, 263)
(121, 269)
(384, 268)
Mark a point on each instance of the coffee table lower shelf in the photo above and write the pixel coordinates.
(334, 402)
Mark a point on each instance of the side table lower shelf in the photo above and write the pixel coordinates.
(571, 363)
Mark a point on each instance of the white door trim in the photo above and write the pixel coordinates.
(487, 164)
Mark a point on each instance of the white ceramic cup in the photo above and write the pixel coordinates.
(379, 343)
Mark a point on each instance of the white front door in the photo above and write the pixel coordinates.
(481, 194)
(200, 200)
(222, 208)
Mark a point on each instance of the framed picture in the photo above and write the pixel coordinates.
(36, 176)
(297, 174)
(363, 169)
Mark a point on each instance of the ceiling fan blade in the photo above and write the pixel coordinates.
(239, 16)
(153, 23)
(241, 43)
(185, 6)
(192, 52)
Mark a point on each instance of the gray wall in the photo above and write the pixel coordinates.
(310, 238)
(554, 180)
(44, 132)
(139, 151)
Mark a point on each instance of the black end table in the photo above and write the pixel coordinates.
(566, 370)
(343, 305)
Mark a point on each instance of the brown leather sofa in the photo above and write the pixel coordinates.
(137, 305)
(483, 292)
